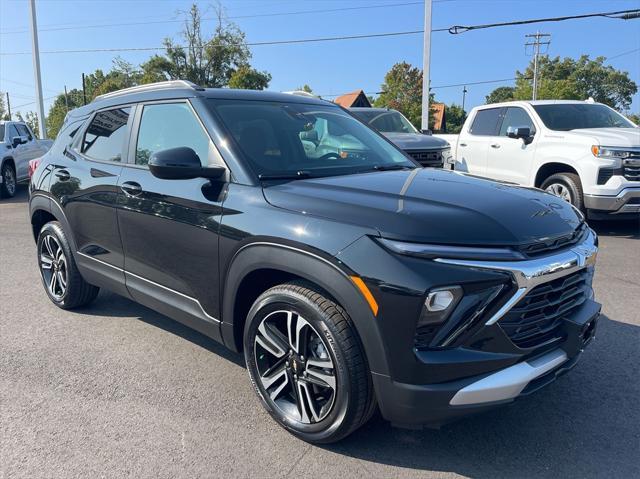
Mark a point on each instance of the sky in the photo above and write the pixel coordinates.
(331, 68)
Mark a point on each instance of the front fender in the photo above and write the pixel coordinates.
(323, 272)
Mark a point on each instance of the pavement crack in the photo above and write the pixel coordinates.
(293, 466)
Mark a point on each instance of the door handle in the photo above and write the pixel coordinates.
(62, 175)
(462, 144)
(495, 145)
(131, 188)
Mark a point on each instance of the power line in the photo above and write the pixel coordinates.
(620, 14)
(233, 17)
(226, 45)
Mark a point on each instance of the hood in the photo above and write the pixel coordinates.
(431, 206)
(609, 136)
(416, 141)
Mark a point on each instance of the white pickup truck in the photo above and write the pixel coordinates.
(18, 146)
(582, 151)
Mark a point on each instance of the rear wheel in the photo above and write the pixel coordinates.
(60, 276)
(9, 183)
(306, 363)
(566, 186)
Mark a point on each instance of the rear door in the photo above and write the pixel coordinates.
(473, 143)
(169, 228)
(511, 159)
(84, 185)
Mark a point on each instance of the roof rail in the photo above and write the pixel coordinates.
(163, 85)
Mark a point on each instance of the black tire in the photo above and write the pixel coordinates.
(77, 292)
(569, 181)
(353, 399)
(9, 182)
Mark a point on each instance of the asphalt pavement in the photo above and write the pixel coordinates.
(118, 390)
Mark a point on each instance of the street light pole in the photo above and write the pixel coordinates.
(36, 70)
(426, 60)
(464, 96)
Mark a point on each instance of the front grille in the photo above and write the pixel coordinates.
(537, 318)
(427, 158)
(552, 244)
(631, 169)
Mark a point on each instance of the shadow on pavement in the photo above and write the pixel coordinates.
(621, 228)
(21, 196)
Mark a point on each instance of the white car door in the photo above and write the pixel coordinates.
(25, 152)
(473, 143)
(511, 159)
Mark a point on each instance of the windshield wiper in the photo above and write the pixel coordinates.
(286, 176)
(393, 167)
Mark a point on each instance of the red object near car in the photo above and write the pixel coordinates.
(33, 164)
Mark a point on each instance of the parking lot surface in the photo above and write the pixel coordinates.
(119, 390)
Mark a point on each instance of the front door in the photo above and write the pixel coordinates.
(511, 159)
(169, 228)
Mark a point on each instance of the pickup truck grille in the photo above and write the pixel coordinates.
(427, 158)
(631, 168)
(536, 319)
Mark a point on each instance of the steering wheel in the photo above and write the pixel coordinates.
(331, 156)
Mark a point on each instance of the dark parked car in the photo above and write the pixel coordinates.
(349, 277)
(427, 150)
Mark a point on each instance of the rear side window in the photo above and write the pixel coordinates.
(486, 122)
(104, 139)
(516, 117)
(170, 125)
(1, 132)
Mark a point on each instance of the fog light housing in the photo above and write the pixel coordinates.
(439, 304)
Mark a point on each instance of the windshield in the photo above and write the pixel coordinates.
(288, 139)
(576, 116)
(385, 121)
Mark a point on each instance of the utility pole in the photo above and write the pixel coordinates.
(36, 70)
(66, 102)
(536, 53)
(8, 106)
(464, 96)
(426, 61)
(84, 93)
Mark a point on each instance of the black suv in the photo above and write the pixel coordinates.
(283, 227)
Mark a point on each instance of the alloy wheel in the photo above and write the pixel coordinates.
(559, 190)
(10, 181)
(53, 265)
(294, 367)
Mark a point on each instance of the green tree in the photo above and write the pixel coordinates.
(402, 91)
(207, 61)
(248, 78)
(306, 88)
(59, 109)
(500, 94)
(455, 117)
(579, 79)
(31, 119)
(634, 117)
(4, 114)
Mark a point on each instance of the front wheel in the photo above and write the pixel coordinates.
(566, 186)
(306, 363)
(9, 183)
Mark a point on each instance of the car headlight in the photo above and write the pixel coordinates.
(609, 152)
(432, 251)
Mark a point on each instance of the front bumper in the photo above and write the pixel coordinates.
(627, 201)
(410, 405)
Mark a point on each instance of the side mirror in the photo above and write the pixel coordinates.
(181, 163)
(311, 135)
(523, 132)
(18, 140)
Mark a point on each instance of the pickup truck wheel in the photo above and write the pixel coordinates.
(60, 276)
(306, 363)
(8, 186)
(567, 186)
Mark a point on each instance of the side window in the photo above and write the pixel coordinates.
(516, 117)
(24, 131)
(12, 132)
(104, 139)
(170, 125)
(486, 122)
